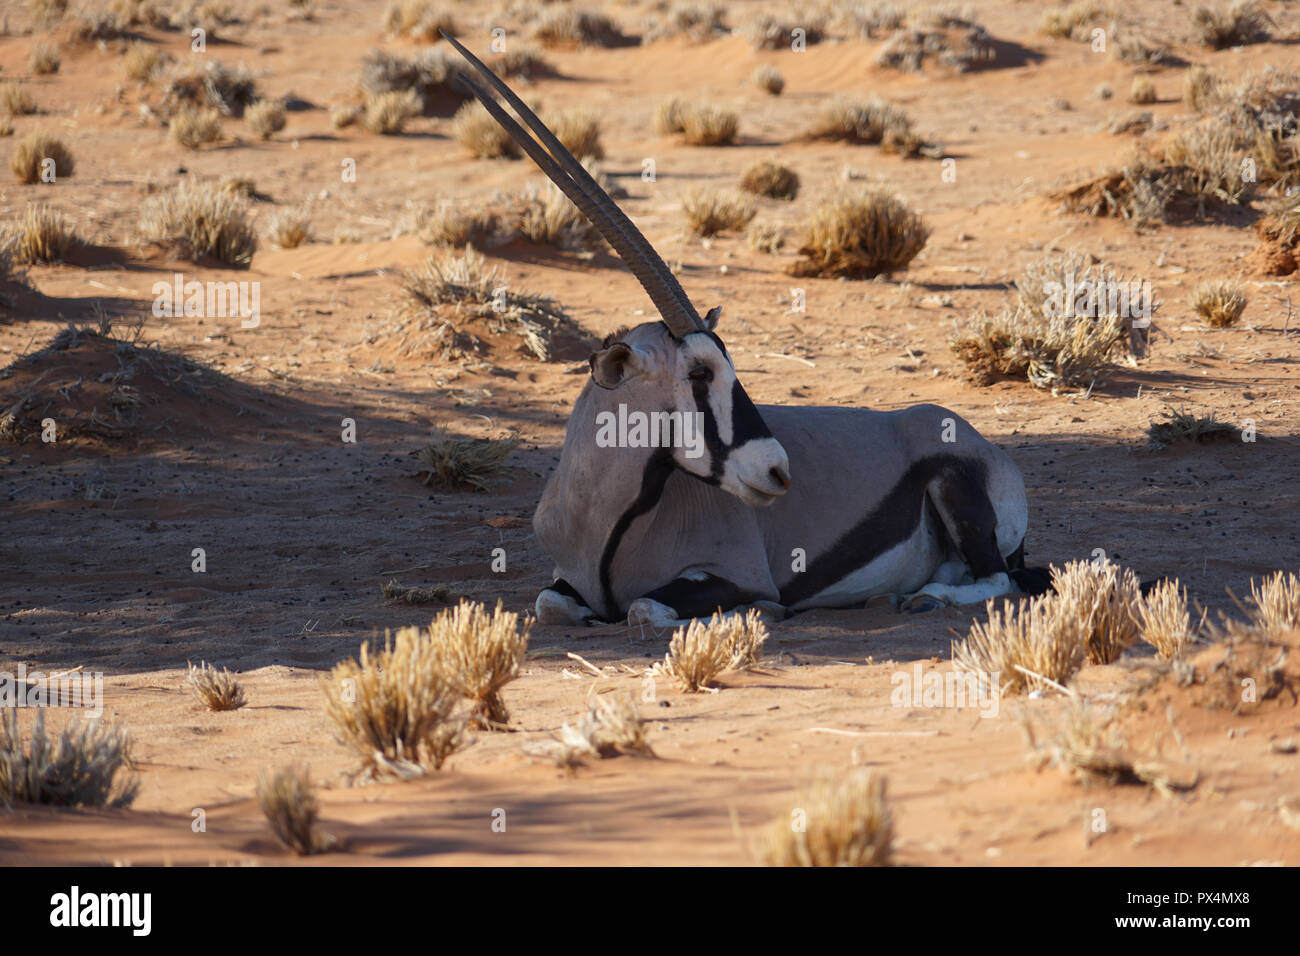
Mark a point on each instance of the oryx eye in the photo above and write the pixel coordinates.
(701, 373)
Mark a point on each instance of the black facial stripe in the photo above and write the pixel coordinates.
(712, 438)
(746, 423)
(653, 479)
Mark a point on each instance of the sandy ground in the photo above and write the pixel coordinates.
(300, 529)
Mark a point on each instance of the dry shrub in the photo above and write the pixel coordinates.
(200, 220)
(769, 80)
(290, 807)
(548, 217)
(697, 21)
(44, 60)
(227, 89)
(712, 211)
(775, 29)
(47, 14)
(78, 768)
(875, 19)
(193, 127)
(1134, 48)
(1219, 302)
(610, 727)
(1075, 21)
(450, 225)
(266, 117)
(290, 227)
(458, 463)
(838, 821)
(394, 708)
(1049, 341)
(143, 61)
(428, 75)
(567, 26)
(710, 126)
(1099, 601)
(419, 19)
(1164, 620)
(41, 234)
(1231, 24)
(579, 131)
(523, 62)
(403, 594)
(215, 689)
(140, 13)
(1279, 233)
(959, 44)
(15, 100)
(861, 235)
(480, 652)
(387, 113)
(240, 186)
(770, 178)
(1142, 92)
(481, 135)
(703, 649)
(1276, 603)
(344, 116)
(30, 155)
(1140, 192)
(745, 636)
(1025, 646)
(765, 238)
(873, 121)
(670, 116)
(1210, 162)
(1179, 425)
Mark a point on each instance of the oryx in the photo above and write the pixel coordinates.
(797, 507)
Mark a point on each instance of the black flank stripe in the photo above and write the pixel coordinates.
(653, 479)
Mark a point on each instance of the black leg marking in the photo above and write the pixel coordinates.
(963, 505)
(561, 586)
(1032, 581)
(701, 598)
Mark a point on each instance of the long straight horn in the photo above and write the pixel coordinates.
(601, 211)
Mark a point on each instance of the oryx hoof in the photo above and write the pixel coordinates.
(552, 607)
(921, 602)
(651, 612)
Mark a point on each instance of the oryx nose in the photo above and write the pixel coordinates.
(780, 476)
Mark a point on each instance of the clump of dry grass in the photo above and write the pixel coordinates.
(548, 217)
(290, 226)
(610, 727)
(838, 821)
(230, 90)
(523, 62)
(569, 26)
(291, 808)
(873, 122)
(387, 113)
(779, 27)
(770, 178)
(456, 462)
(1179, 425)
(1210, 161)
(710, 212)
(41, 234)
(15, 100)
(745, 636)
(1164, 620)
(402, 594)
(1219, 302)
(710, 126)
(1049, 341)
(698, 21)
(1279, 235)
(344, 116)
(1202, 88)
(957, 43)
(579, 131)
(1099, 602)
(194, 127)
(1276, 603)
(143, 61)
(769, 80)
(1142, 92)
(85, 765)
(1025, 647)
(861, 235)
(266, 117)
(215, 689)
(481, 136)
(1232, 24)
(394, 708)
(200, 220)
(428, 76)
(44, 59)
(698, 653)
(48, 14)
(670, 116)
(450, 225)
(240, 186)
(765, 237)
(419, 19)
(1075, 21)
(480, 651)
(39, 154)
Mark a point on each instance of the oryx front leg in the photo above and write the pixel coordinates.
(562, 604)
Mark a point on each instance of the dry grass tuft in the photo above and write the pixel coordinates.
(567, 26)
(419, 20)
(523, 62)
(459, 463)
(291, 808)
(144, 61)
(765, 237)
(1203, 89)
(704, 649)
(1179, 425)
(481, 136)
(710, 126)
(1210, 161)
(266, 117)
(610, 727)
(579, 131)
(428, 75)
(402, 594)
(1164, 620)
(36, 155)
(959, 44)
(1276, 603)
(394, 708)
(1099, 602)
(1142, 92)
(1025, 646)
(1219, 302)
(194, 127)
(873, 122)
(844, 821)
(41, 234)
(480, 652)
(229, 90)
(215, 689)
(1075, 22)
(746, 636)
(780, 27)
(861, 235)
(15, 100)
(770, 178)
(710, 212)
(44, 60)
(200, 220)
(78, 768)
(698, 21)
(387, 113)
(769, 80)
(290, 226)
(1238, 23)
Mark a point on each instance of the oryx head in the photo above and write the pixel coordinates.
(677, 366)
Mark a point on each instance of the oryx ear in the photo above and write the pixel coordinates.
(711, 320)
(611, 367)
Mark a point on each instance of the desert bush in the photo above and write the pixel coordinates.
(745, 636)
(1164, 620)
(769, 80)
(215, 689)
(548, 217)
(1219, 302)
(344, 116)
(712, 211)
(697, 654)
(710, 126)
(1202, 88)
(698, 21)
(290, 226)
(765, 238)
(291, 808)
(44, 59)
(266, 117)
(1211, 163)
(1100, 600)
(1231, 24)
(610, 727)
(41, 234)
(480, 651)
(523, 62)
(387, 113)
(428, 75)
(199, 220)
(229, 90)
(47, 14)
(875, 19)
(770, 178)
(481, 135)
(419, 19)
(15, 100)
(846, 822)
(86, 765)
(775, 29)
(1179, 425)
(1075, 21)
(567, 26)
(873, 122)
(143, 61)
(1025, 646)
(959, 44)
(30, 156)
(579, 131)
(455, 462)
(1275, 603)
(861, 235)
(1142, 92)
(193, 127)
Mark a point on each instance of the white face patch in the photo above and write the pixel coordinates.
(700, 351)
